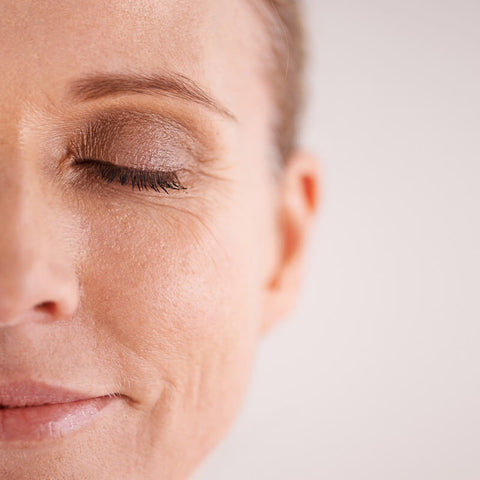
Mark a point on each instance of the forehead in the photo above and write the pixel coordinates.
(213, 42)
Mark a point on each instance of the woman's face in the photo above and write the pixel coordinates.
(145, 303)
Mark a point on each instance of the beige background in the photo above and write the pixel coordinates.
(377, 374)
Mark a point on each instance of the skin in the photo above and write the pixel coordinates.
(158, 298)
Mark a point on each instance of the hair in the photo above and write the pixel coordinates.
(286, 71)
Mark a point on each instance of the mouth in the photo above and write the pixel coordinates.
(33, 411)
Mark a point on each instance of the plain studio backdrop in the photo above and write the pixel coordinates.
(376, 374)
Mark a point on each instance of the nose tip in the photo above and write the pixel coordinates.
(37, 276)
(37, 295)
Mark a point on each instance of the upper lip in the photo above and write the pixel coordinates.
(34, 394)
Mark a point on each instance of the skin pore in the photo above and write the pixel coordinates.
(156, 295)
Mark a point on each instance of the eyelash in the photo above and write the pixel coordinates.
(137, 178)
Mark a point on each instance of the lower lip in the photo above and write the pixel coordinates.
(49, 421)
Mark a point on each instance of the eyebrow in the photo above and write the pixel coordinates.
(176, 85)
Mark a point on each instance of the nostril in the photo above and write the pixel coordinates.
(48, 307)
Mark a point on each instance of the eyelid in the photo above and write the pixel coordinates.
(141, 139)
(139, 179)
(150, 149)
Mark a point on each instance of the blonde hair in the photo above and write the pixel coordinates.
(287, 47)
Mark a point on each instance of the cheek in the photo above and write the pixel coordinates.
(173, 296)
(172, 268)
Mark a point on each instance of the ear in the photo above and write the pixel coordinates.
(298, 201)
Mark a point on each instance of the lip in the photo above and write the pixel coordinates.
(34, 411)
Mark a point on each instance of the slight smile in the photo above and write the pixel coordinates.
(33, 411)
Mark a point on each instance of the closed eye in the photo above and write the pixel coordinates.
(139, 179)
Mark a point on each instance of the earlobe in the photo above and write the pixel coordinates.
(298, 202)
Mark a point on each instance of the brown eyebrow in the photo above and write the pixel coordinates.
(170, 84)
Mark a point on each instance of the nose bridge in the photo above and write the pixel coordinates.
(35, 278)
(22, 238)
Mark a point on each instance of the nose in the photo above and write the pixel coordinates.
(37, 280)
